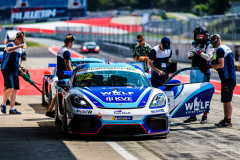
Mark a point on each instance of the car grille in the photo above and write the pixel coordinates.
(157, 122)
(121, 130)
(83, 124)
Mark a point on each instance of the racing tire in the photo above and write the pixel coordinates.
(64, 123)
(57, 120)
(43, 97)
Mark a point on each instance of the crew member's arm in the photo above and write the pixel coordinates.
(169, 59)
(142, 58)
(220, 54)
(11, 49)
(67, 60)
(209, 53)
(68, 65)
(152, 57)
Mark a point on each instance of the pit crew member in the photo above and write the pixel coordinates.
(10, 67)
(63, 63)
(141, 51)
(201, 52)
(159, 54)
(227, 74)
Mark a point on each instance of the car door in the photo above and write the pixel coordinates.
(189, 92)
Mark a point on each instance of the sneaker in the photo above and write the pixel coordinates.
(204, 119)
(14, 111)
(190, 119)
(3, 108)
(50, 114)
(223, 124)
(16, 103)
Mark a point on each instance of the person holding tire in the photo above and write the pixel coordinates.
(63, 63)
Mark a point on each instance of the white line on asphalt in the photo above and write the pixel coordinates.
(121, 150)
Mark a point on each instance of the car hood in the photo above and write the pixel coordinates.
(123, 95)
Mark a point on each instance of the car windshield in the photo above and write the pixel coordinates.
(85, 62)
(110, 78)
(189, 75)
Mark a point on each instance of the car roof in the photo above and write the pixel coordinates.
(93, 43)
(87, 59)
(101, 65)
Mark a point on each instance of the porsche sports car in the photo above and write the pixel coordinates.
(50, 77)
(89, 47)
(118, 99)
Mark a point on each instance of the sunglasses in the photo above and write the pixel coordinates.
(139, 41)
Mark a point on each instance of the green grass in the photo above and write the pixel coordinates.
(34, 44)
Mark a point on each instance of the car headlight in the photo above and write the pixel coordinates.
(84, 48)
(79, 101)
(158, 101)
(97, 47)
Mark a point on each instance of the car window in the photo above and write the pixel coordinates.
(189, 75)
(110, 78)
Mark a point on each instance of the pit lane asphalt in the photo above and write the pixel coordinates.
(32, 135)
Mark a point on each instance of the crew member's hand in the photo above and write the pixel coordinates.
(161, 73)
(194, 49)
(23, 46)
(24, 69)
(207, 66)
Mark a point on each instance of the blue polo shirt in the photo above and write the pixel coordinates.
(63, 54)
(228, 71)
(159, 56)
(10, 61)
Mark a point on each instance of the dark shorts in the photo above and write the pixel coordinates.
(10, 80)
(228, 86)
(157, 81)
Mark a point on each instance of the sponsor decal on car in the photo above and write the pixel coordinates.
(196, 106)
(157, 111)
(121, 117)
(84, 111)
(121, 112)
(119, 99)
(116, 93)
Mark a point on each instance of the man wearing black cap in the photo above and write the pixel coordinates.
(158, 55)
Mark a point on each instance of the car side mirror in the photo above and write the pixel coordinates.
(172, 83)
(68, 74)
(47, 73)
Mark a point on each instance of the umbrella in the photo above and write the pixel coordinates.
(26, 77)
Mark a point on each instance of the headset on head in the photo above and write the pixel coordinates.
(20, 34)
(215, 41)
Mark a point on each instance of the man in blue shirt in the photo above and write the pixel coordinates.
(227, 74)
(63, 63)
(10, 67)
(158, 55)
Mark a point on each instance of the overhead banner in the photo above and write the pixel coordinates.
(36, 13)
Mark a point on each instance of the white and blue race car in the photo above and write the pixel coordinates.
(50, 77)
(118, 99)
